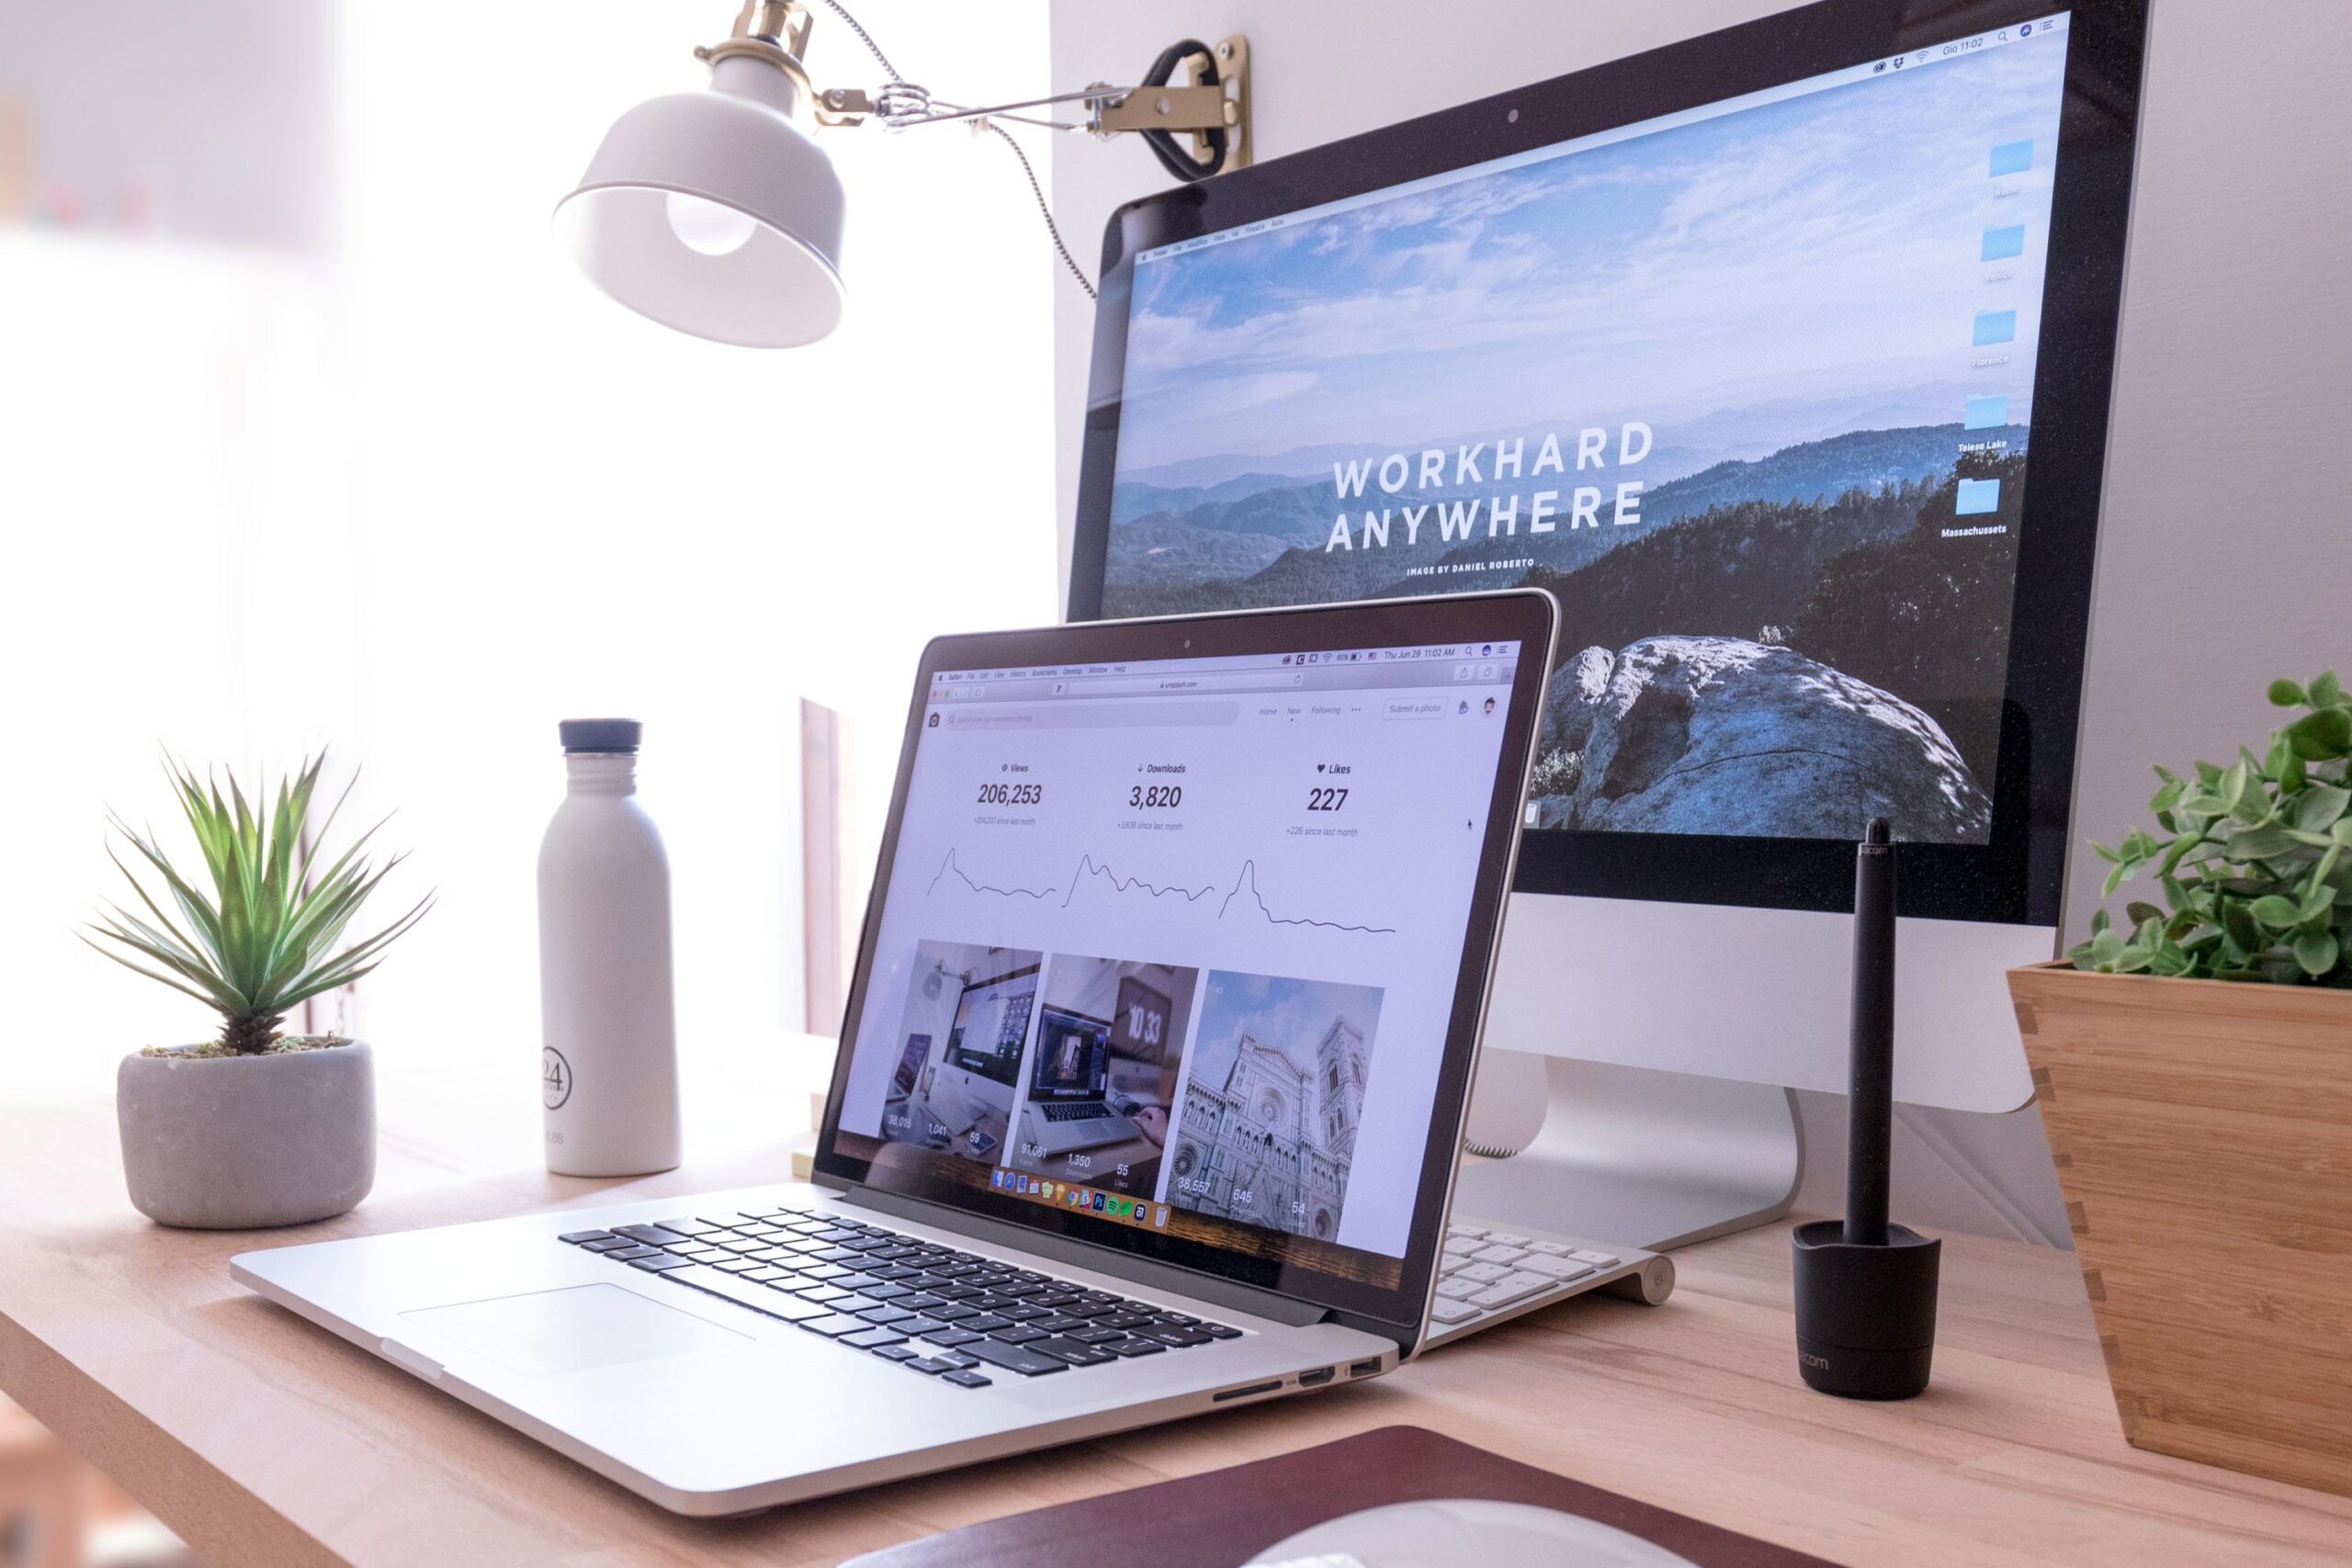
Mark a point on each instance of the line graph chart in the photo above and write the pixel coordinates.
(1092, 872)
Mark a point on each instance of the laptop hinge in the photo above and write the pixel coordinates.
(1102, 1260)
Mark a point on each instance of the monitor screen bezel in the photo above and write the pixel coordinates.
(1521, 616)
(2016, 876)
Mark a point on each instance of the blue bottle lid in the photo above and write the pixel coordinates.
(600, 734)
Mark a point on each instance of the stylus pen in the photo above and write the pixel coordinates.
(1869, 1105)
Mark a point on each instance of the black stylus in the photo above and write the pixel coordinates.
(1871, 1102)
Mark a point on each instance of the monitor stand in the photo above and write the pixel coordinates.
(1633, 1155)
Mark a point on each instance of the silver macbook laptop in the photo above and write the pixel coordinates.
(1148, 1099)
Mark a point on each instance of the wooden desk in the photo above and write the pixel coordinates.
(264, 1442)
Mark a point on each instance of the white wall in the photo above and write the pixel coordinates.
(417, 491)
(2224, 561)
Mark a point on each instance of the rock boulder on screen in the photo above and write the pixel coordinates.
(1721, 734)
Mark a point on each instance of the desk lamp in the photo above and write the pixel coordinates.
(718, 213)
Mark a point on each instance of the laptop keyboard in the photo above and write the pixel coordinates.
(952, 1315)
(1077, 1112)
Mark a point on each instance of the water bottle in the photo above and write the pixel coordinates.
(609, 1060)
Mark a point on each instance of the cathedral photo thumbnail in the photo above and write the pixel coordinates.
(1267, 1131)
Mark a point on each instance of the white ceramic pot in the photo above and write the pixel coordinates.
(239, 1143)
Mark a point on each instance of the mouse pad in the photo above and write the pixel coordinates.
(571, 1330)
(1230, 1515)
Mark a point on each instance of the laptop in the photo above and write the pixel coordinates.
(1068, 1107)
(1284, 837)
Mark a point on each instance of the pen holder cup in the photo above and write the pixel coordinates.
(1866, 1316)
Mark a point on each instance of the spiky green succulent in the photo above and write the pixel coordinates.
(266, 939)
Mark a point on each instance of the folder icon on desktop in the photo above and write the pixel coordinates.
(2013, 157)
(1994, 326)
(2000, 244)
(1977, 496)
(1989, 412)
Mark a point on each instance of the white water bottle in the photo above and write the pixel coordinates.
(608, 1058)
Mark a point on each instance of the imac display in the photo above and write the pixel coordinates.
(1748, 388)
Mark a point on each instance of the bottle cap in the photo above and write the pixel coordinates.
(599, 734)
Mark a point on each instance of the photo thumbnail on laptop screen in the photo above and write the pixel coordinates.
(1748, 387)
(1177, 941)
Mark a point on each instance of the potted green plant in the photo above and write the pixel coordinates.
(254, 1127)
(2194, 1069)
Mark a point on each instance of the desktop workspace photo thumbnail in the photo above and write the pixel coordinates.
(1504, 784)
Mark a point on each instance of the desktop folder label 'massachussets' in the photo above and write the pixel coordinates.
(1748, 388)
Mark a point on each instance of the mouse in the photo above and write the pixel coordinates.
(1442, 1533)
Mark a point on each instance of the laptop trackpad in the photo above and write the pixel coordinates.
(572, 1330)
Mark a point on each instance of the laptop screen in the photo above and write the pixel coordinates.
(1189, 934)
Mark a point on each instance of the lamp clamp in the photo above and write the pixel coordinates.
(1214, 108)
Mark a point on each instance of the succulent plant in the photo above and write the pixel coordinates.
(2252, 858)
(266, 938)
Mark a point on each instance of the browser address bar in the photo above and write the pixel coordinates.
(1178, 685)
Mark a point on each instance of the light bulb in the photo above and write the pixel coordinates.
(707, 226)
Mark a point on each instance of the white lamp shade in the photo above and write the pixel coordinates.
(713, 213)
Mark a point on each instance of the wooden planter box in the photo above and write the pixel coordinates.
(2203, 1131)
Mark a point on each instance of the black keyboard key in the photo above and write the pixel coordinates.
(837, 1233)
(660, 1261)
(883, 1315)
(1015, 1359)
(857, 1281)
(1018, 1288)
(652, 1235)
(986, 1323)
(1053, 1298)
(1134, 1347)
(895, 1352)
(1123, 1320)
(953, 1337)
(964, 1378)
(633, 1251)
(923, 1327)
(1087, 1309)
(873, 1338)
(610, 1244)
(1019, 1314)
(1070, 1350)
(1182, 1337)
(1098, 1336)
(947, 1312)
(1016, 1334)
(758, 1298)
(895, 1272)
(948, 1289)
(1056, 1325)
(881, 1291)
(833, 1326)
(931, 1366)
(1179, 1319)
(576, 1237)
(1220, 1331)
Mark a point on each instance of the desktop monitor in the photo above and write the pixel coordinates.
(1781, 357)
(984, 1044)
